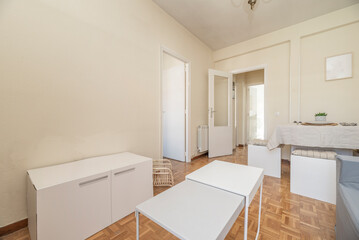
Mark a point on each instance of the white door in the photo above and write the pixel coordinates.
(173, 108)
(220, 113)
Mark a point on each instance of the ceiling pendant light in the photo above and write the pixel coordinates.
(252, 2)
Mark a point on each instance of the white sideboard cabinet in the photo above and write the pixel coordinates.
(77, 199)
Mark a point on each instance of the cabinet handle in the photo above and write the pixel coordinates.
(124, 171)
(92, 180)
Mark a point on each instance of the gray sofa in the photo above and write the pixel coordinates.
(347, 209)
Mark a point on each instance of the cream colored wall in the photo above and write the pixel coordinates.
(81, 79)
(295, 59)
(254, 77)
(277, 83)
(337, 98)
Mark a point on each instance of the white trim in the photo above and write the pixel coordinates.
(290, 79)
(263, 67)
(299, 81)
(244, 114)
(188, 115)
(168, 51)
(174, 54)
(250, 69)
(234, 82)
(265, 101)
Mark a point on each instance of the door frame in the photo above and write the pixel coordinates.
(187, 112)
(263, 67)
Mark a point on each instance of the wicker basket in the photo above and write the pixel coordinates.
(162, 163)
(162, 173)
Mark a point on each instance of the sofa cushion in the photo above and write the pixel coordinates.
(258, 142)
(348, 169)
(315, 154)
(350, 196)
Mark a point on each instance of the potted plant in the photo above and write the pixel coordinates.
(322, 117)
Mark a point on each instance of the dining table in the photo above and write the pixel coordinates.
(328, 136)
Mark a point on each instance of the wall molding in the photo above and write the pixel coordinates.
(13, 227)
(321, 23)
(295, 49)
(328, 29)
(253, 50)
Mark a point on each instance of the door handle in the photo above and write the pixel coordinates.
(212, 111)
(92, 181)
(124, 171)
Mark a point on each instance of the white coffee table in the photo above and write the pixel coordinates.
(235, 178)
(193, 211)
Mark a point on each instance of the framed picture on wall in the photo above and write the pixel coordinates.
(338, 67)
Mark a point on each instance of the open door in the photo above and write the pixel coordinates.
(220, 113)
(173, 108)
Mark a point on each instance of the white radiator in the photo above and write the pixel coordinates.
(202, 139)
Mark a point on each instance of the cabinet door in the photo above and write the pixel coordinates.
(94, 204)
(56, 213)
(130, 186)
(74, 210)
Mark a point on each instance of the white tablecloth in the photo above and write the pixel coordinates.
(315, 136)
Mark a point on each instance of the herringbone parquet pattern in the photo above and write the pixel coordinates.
(284, 215)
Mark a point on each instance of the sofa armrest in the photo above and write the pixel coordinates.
(348, 169)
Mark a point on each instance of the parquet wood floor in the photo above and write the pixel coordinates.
(284, 215)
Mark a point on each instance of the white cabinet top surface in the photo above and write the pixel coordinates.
(53, 175)
(193, 210)
(236, 178)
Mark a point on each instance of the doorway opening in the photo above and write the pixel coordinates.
(255, 112)
(249, 107)
(175, 97)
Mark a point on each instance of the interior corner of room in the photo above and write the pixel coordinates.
(86, 84)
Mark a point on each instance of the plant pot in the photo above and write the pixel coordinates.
(321, 118)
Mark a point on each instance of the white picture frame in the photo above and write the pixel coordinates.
(339, 67)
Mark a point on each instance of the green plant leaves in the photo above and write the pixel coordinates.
(321, 114)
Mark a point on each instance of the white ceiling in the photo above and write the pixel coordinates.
(221, 23)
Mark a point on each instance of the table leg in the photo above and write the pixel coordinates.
(246, 219)
(137, 225)
(260, 208)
